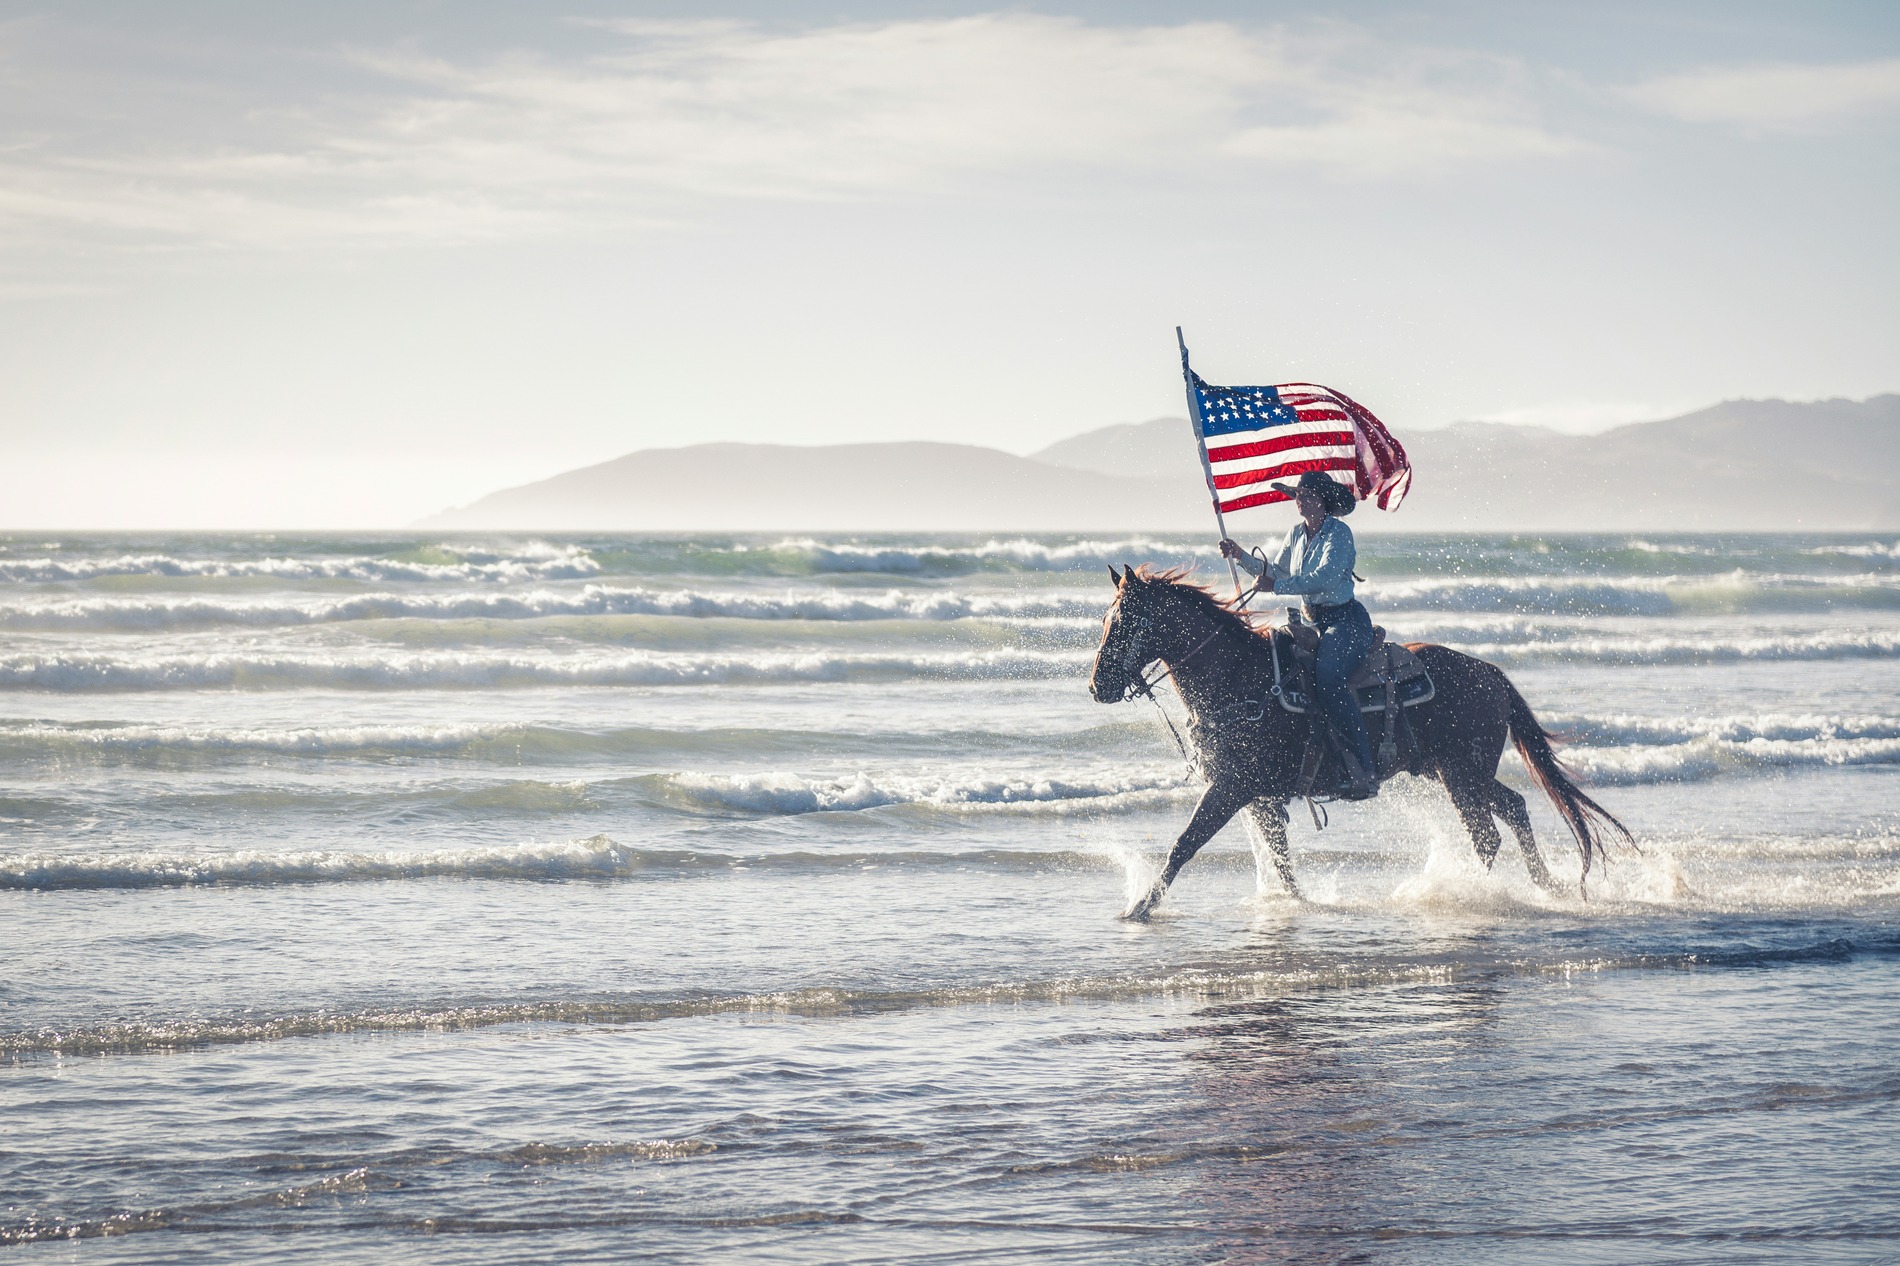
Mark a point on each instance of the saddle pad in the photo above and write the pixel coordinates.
(1387, 658)
(1413, 684)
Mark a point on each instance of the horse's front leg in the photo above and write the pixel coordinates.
(1219, 803)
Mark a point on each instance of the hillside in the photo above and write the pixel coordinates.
(840, 487)
(1740, 465)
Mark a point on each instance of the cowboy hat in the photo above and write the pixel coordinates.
(1334, 497)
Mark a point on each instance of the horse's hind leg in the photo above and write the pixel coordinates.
(1474, 807)
(1269, 820)
(1510, 806)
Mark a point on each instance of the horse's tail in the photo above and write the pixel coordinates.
(1589, 821)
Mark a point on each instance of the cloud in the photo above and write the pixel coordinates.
(1785, 96)
(737, 110)
(659, 117)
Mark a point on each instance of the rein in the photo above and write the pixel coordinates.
(1241, 602)
(1143, 685)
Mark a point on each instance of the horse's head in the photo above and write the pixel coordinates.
(1129, 643)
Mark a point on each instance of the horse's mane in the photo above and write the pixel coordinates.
(1177, 580)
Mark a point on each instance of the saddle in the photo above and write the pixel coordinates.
(1389, 680)
(1388, 675)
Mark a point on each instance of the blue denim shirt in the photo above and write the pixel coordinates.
(1318, 569)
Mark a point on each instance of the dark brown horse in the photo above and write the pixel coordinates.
(1251, 754)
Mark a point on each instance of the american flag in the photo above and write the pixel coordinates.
(1255, 435)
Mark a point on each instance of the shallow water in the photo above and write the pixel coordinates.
(606, 898)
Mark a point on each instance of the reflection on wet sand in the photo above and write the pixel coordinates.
(1307, 1110)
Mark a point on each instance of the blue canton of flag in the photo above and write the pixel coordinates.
(1225, 410)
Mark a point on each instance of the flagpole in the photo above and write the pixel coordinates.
(1200, 446)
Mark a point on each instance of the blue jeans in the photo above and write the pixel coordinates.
(1345, 635)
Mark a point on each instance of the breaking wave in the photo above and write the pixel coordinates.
(1870, 550)
(1620, 749)
(371, 669)
(1018, 554)
(1628, 728)
(1712, 648)
(1612, 749)
(787, 793)
(436, 564)
(596, 858)
(1709, 757)
(516, 743)
(130, 739)
(405, 671)
(118, 613)
(1532, 596)
(1735, 593)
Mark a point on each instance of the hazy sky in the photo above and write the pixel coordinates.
(346, 263)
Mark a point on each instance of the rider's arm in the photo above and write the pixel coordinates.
(1326, 567)
(1250, 564)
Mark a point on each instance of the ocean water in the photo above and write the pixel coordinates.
(515, 899)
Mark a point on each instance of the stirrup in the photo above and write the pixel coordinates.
(1361, 783)
(1358, 790)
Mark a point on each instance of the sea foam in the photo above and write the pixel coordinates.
(412, 671)
(370, 669)
(460, 564)
(1736, 592)
(997, 554)
(1707, 756)
(595, 858)
(119, 613)
(788, 793)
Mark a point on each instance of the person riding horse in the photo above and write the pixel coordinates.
(1315, 562)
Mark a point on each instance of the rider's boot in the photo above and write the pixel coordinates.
(1361, 784)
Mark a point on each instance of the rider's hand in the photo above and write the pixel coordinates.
(1229, 548)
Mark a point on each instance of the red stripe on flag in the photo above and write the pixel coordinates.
(1331, 414)
(1253, 499)
(1241, 479)
(1279, 444)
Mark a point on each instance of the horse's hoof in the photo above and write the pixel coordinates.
(1138, 913)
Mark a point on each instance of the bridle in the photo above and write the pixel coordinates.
(1133, 660)
(1139, 683)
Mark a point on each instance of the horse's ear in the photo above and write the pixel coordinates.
(1112, 576)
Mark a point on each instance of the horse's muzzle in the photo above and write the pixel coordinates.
(1104, 688)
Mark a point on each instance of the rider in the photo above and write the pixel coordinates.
(1315, 561)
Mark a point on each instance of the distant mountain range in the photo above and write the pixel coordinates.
(1741, 465)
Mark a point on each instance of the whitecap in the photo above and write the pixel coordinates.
(1707, 757)
(1013, 554)
(114, 613)
(533, 561)
(778, 792)
(442, 670)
